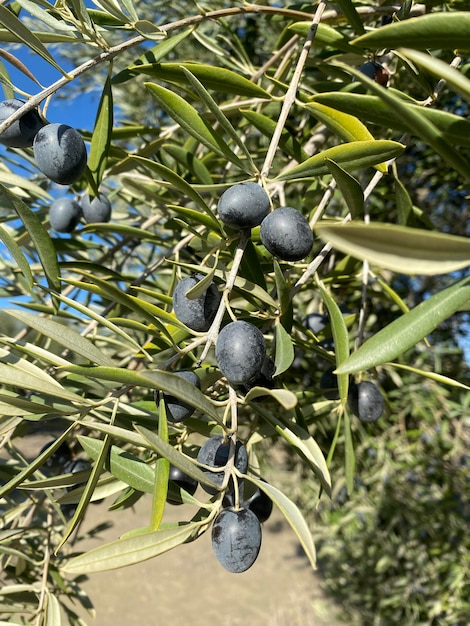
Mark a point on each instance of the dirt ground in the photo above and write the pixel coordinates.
(188, 586)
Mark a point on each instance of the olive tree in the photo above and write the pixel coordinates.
(160, 273)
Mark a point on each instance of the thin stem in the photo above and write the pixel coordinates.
(291, 94)
(213, 331)
(107, 55)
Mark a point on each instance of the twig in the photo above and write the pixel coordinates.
(291, 94)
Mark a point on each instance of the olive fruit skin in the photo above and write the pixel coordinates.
(243, 205)
(176, 409)
(329, 384)
(183, 481)
(58, 459)
(375, 71)
(197, 313)
(259, 502)
(60, 153)
(64, 215)
(215, 453)
(366, 401)
(96, 210)
(240, 352)
(286, 234)
(236, 539)
(22, 132)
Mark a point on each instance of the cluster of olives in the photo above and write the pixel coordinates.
(65, 213)
(236, 531)
(59, 150)
(284, 231)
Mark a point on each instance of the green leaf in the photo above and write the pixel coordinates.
(345, 126)
(350, 188)
(349, 455)
(448, 30)
(340, 339)
(39, 236)
(404, 204)
(407, 330)
(219, 117)
(399, 248)
(416, 122)
(176, 458)
(178, 183)
(114, 328)
(52, 615)
(292, 515)
(17, 377)
(441, 70)
(287, 399)
(64, 335)
(325, 34)
(152, 379)
(371, 108)
(9, 20)
(301, 441)
(219, 79)
(355, 155)
(266, 125)
(102, 131)
(191, 121)
(130, 550)
(162, 472)
(350, 12)
(18, 255)
(125, 466)
(284, 349)
(34, 465)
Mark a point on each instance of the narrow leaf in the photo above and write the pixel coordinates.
(349, 455)
(152, 379)
(219, 79)
(39, 236)
(190, 120)
(64, 335)
(123, 465)
(9, 20)
(340, 339)
(441, 70)
(292, 515)
(162, 472)
(284, 349)
(102, 131)
(18, 255)
(399, 248)
(407, 330)
(266, 125)
(176, 458)
(350, 188)
(448, 30)
(131, 550)
(301, 441)
(371, 108)
(153, 56)
(416, 123)
(344, 125)
(354, 155)
(219, 117)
